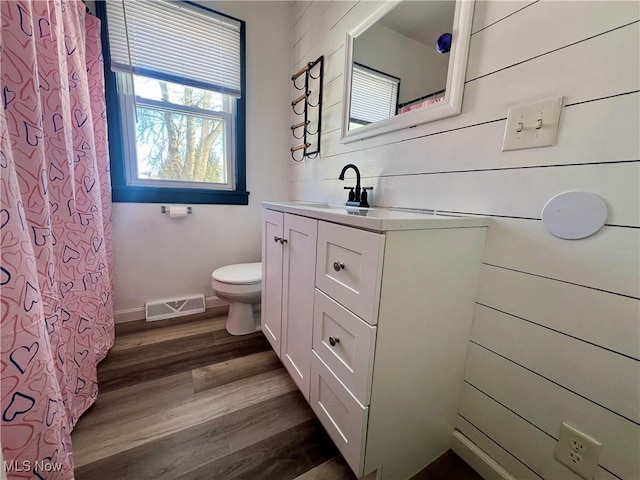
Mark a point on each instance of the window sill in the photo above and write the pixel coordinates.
(178, 195)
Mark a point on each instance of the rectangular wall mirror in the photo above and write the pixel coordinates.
(395, 77)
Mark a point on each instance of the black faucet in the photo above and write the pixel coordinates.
(356, 196)
(356, 199)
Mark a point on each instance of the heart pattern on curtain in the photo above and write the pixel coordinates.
(56, 320)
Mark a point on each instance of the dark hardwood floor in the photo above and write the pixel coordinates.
(183, 399)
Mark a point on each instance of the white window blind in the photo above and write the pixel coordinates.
(175, 41)
(374, 95)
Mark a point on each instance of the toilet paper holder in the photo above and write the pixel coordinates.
(165, 209)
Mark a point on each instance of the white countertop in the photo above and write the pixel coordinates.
(376, 219)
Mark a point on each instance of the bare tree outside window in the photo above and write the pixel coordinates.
(179, 145)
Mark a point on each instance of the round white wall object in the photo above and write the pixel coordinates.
(574, 215)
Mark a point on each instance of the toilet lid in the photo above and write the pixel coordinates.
(241, 274)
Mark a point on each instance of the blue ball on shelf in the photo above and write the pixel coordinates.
(443, 44)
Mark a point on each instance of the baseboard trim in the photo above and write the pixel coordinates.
(134, 314)
(482, 463)
(128, 315)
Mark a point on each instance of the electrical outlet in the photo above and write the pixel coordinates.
(578, 451)
(577, 446)
(575, 458)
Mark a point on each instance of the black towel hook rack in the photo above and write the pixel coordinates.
(312, 112)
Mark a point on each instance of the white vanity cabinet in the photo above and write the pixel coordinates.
(382, 333)
(288, 272)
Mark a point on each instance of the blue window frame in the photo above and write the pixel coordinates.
(144, 112)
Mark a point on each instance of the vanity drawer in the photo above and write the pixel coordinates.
(342, 416)
(349, 267)
(345, 343)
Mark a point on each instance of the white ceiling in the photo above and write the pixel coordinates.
(422, 20)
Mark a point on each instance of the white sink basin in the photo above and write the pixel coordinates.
(329, 206)
(311, 204)
(375, 218)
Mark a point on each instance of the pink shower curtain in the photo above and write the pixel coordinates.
(56, 319)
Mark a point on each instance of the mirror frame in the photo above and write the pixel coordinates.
(452, 103)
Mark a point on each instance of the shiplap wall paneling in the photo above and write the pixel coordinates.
(557, 326)
(516, 468)
(560, 71)
(307, 20)
(571, 309)
(332, 25)
(547, 405)
(488, 13)
(610, 141)
(580, 367)
(297, 9)
(569, 23)
(608, 260)
(530, 445)
(499, 192)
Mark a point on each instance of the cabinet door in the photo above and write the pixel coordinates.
(271, 317)
(299, 270)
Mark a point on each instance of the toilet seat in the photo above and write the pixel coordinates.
(240, 274)
(236, 288)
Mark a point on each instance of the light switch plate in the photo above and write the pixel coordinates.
(531, 126)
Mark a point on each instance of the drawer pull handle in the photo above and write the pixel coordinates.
(283, 241)
(333, 341)
(277, 239)
(337, 266)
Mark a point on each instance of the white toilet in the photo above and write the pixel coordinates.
(241, 286)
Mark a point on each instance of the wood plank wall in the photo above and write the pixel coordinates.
(556, 333)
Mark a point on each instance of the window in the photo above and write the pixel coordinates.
(175, 102)
(374, 96)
